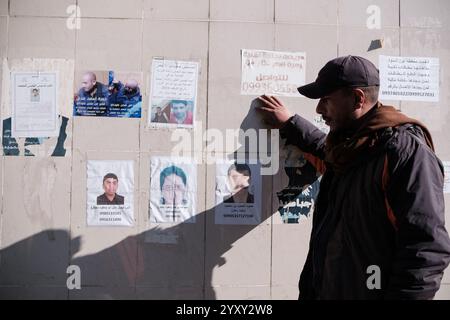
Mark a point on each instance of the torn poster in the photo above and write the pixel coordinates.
(35, 146)
(298, 196)
(238, 193)
(272, 72)
(108, 94)
(34, 109)
(173, 96)
(110, 189)
(409, 78)
(173, 189)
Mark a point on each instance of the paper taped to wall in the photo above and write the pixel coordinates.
(108, 94)
(272, 72)
(409, 78)
(34, 109)
(110, 189)
(173, 95)
(238, 193)
(173, 189)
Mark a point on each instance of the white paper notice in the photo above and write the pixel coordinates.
(34, 112)
(447, 176)
(110, 188)
(409, 78)
(272, 72)
(173, 93)
(238, 193)
(173, 189)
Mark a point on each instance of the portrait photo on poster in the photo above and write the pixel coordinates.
(173, 188)
(110, 192)
(173, 93)
(238, 192)
(108, 94)
(173, 112)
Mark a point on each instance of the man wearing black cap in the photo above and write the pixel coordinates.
(378, 225)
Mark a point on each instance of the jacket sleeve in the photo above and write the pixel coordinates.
(301, 133)
(415, 195)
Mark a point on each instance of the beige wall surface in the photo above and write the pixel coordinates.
(43, 225)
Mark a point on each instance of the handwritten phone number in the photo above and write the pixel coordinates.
(268, 87)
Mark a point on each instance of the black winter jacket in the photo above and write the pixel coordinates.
(384, 214)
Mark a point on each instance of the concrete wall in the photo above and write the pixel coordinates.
(43, 201)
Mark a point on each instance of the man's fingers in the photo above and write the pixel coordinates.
(267, 102)
(277, 100)
(265, 109)
(274, 100)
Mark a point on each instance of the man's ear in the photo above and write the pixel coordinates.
(360, 98)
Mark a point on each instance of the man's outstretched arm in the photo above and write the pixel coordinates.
(297, 130)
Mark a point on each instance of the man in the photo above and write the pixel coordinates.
(159, 116)
(173, 186)
(239, 177)
(179, 112)
(91, 88)
(92, 98)
(380, 204)
(127, 101)
(35, 95)
(110, 197)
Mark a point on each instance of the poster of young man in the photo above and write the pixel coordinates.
(238, 193)
(173, 188)
(108, 94)
(173, 93)
(110, 188)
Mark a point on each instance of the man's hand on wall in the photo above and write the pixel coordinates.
(273, 110)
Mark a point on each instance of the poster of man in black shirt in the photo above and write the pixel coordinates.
(110, 197)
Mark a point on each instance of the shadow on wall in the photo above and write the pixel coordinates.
(160, 263)
(35, 267)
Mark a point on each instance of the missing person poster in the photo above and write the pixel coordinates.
(34, 109)
(108, 94)
(173, 96)
(272, 72)
(110, 188)
(409, 78)
(173, 188)
(238, 193)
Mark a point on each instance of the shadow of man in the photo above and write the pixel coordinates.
(164, 262)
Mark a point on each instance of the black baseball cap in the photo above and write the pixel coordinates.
(348, 71)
